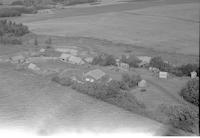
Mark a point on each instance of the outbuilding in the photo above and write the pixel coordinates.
(94, 75)
(193, 74)
(142, 84)
(163, 75)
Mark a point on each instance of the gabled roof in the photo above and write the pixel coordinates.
(77, 60)
(96, 74)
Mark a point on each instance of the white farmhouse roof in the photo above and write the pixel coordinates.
(67, 50)
(75, 60)
(96, 74)
(65, 56)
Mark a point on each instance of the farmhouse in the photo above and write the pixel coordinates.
(75, 60)
(64, 57)
(17, 59)
(94, 75)
(67, 50)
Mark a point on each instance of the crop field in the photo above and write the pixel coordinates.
(157, 27)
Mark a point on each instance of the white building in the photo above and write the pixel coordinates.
(89, 59)
(193, 74)
(64, 57)
(142, 84)
(75, 60)
(70, 51)
(124, 66)
(33, 67)
(94, 75)
(163, 75)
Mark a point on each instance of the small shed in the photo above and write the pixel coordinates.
(163, 75)
(193, 74)
(142, 84)
(124, 66)
(18, 59)
(89, 59)
(33, 67)
(42, 50)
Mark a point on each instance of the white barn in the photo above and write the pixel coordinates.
(163, 75)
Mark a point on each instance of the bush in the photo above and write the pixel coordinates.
(16, 11)
(73, 2)
(10, 40)
(191, 92)
(131, 80)
(8, 12)
(104, 60)
(188, 68)
(10, 28)
(158, 62)
(62, 81)
(17, 2)
(182, 117)
(133, 61)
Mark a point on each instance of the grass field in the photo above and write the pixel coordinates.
(41, 105)
(157, 27)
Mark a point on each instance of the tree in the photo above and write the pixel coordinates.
(49, 41)
(182, 117)
(35, 41)
(131, 80)
(188, 68)
(132, 60)
(191, 91)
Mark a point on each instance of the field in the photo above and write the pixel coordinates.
(166, 28)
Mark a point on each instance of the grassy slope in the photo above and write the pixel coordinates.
(36, 102)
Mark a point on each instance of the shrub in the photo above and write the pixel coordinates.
(133, 61)
(10, 40)
(35, 41)
(131, 80)
(12, 29)
(188, 68)
(8, 12)
(48, 41)
(17, 2)
(104, 60)
(182, 117)
(158, 62)
(191, 91)
(16, 11)
(62, 81)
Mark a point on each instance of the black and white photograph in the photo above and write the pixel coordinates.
(99, 68)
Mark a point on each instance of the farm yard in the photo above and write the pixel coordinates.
(124, 67)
